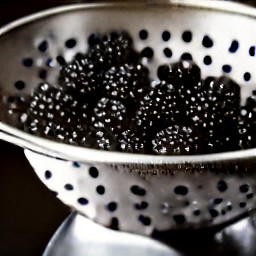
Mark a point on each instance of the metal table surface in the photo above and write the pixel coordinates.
(30, 214)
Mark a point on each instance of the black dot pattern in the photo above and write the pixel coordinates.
(187, 36)
(70, 43)
(252, 51)
(112, 206)
(247, 76)
(69, 187)
(207, 42)
(234, 46)
(100, 190)
(214, 213)
(141, 206)
(218, 201)
(168, 52)
(244, 188)
(42, 74)
(60, 59)
(207, 60)
(82, 201)
(226, 68)
(76, 164)
(43, 46)
(222, 186)
(166, 35)
(147, 52)
(186, 56)
(94, 173)
(137, 190)
(27, 62)
(181, 190)
(19, 85)
(114, 224)
(242, 204)
(47, 174)
(143, 34)
(197, 212)
(145, 220)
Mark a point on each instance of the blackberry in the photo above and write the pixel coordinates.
(177, 140)
(181, 73)
(247, 128)
(52, 114)
(114, 49)
(158, 108)
(129, 141)
(127, 82)
(111, 113)
(81, 77)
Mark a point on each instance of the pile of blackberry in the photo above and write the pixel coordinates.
(104, 100)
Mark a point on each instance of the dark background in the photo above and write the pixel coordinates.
(29, 213)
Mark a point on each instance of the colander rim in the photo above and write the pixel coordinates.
(77, 153)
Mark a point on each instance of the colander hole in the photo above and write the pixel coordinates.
(223, 212)
(82, 201)
(168, 52)
(60, 59)
(42, 74)
(222, 186)
(242, 204)
(252, 51)
(137, 190)
(11, 99)
(76, 165)
(93, 39)
(217, 201)
(244, 188)
(47, 174)
(187, 36)
(247, 76)
(147, 52)
(43, 46)
(27, 62)
(69, 187)
(19, 85)
(186, 56)
(100, 190)
(214, 213)
(93, 171)
(179, 218)
(70, 43)
(143, 34)
(229, 207)
(50, 62)
(114, 224)
(145, 220)
(186, 203)
(207, 60)
(166, 35)
(197, 212)
(226, 68)
(112, 206)
(249, 196)
(234, 46)
(207, 42)
(181, 190)
(141, 206)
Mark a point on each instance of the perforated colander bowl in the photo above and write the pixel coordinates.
(130, 192)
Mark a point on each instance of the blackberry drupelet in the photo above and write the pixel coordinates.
(126, 82)
(177, 140)
(130, 142)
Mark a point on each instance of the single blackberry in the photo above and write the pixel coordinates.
(104, 138)
(112, 113)
(114, 49)
(81, 77)
(247, 128)
(158, 108)
(127, 82)
(177, 140)
(130, 142)
(181, 73)
(52, 114)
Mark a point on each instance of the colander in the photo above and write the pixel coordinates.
(143, 194)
